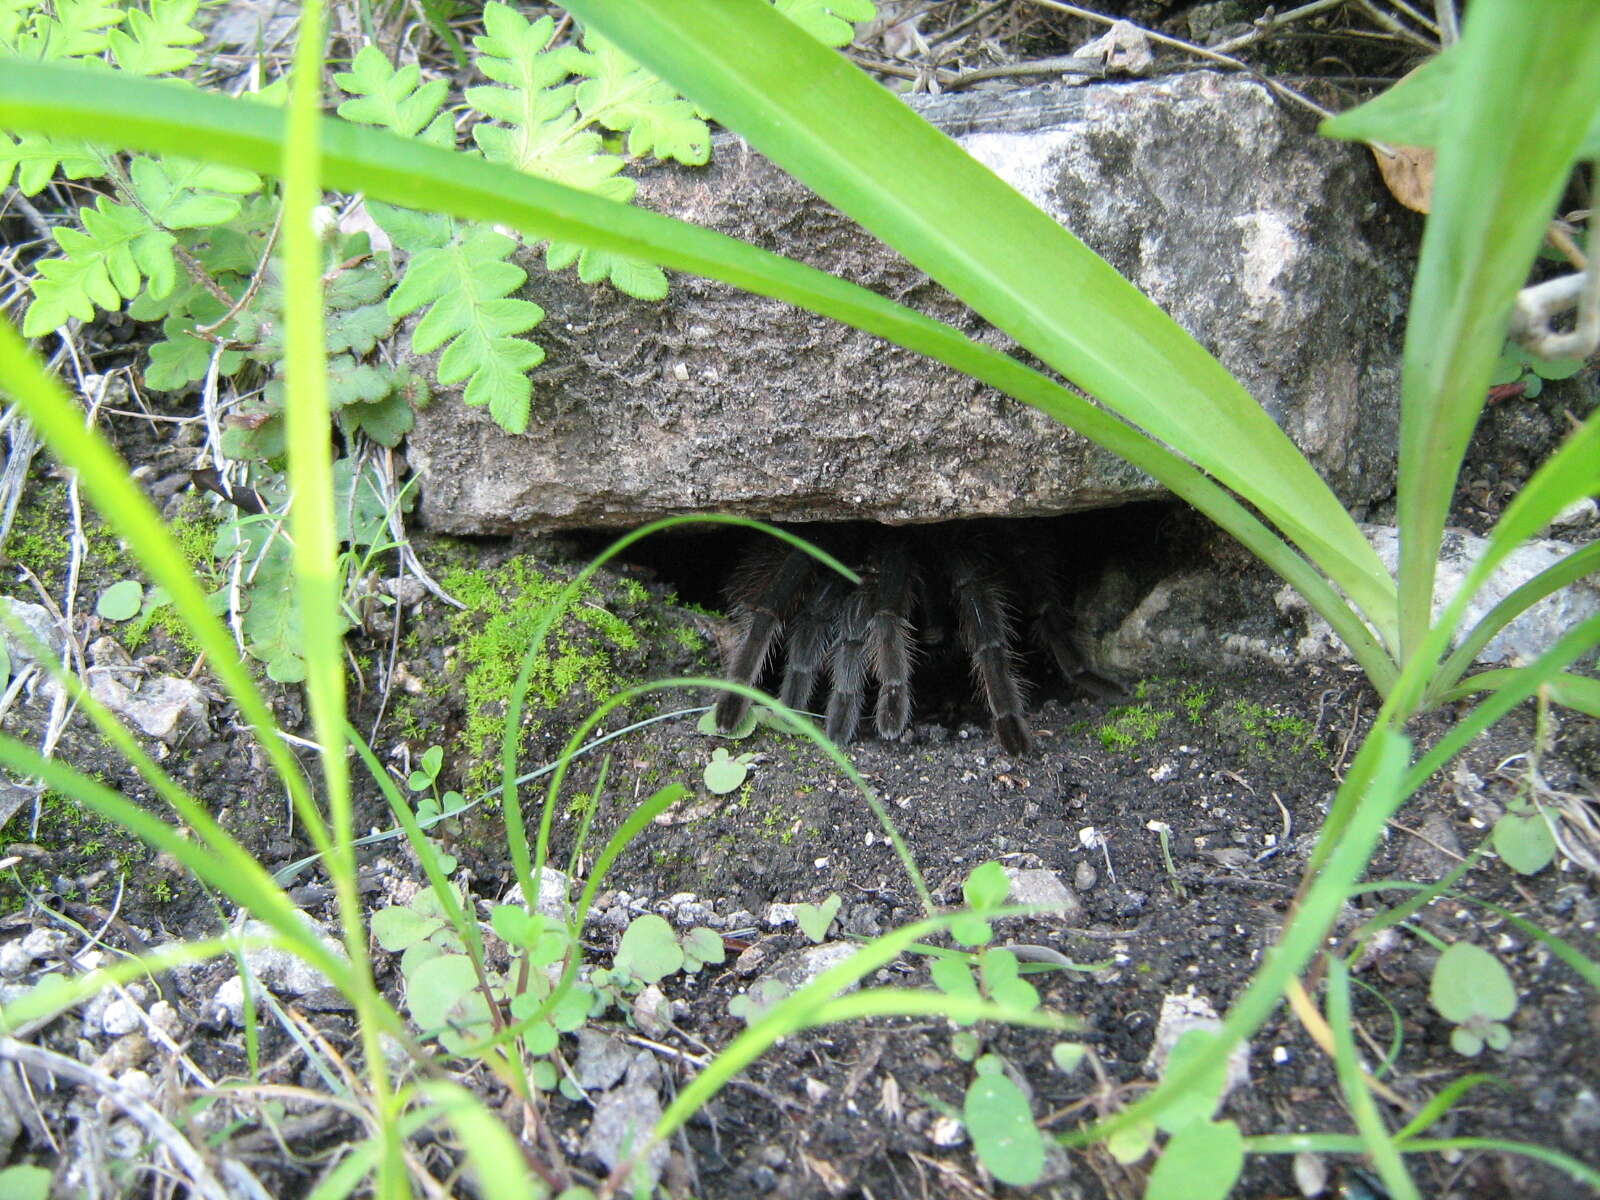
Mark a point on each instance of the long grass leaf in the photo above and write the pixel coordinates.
(1575, 566)
(1518, 686)
(1358, 1099)
(106, 480)
(1373, 788)
(230, 870)
(1507, 140)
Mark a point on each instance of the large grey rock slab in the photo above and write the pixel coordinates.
(1274, 247)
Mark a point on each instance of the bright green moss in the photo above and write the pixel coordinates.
(504, 607)
(1131, 726)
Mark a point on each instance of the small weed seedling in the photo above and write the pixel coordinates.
(725, 772)
(816, 919)
(1471, 989)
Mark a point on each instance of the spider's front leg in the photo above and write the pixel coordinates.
(874, 638)
(984, 623)
(1033, 570)
(889, 638)
(767, 590)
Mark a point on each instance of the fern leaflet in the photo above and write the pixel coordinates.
(154, 42)
(620, 94)
(104, 264)
(457, 271)
(469, 285)
(35, 158)
(542, 132)
(391, 98)
(829, 21)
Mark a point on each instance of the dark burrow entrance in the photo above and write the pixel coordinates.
(961, 621)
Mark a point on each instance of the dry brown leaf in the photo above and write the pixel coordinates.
(1408, 170)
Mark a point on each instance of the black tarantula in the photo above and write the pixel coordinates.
(916, 582)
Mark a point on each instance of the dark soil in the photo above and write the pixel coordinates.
(1240, 766)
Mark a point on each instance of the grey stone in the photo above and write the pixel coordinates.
(1181, 1013)
(602, 1060)
(1044, 888)
(554, 888)
(796, 969)
(45, 630)
(1276, 248)
(623, 1119)
(1220, 615)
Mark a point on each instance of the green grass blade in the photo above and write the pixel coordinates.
(461, 921)
(1505, 149)
(875, 1003)
(1349, 1143)
(1358, 1099)
(309, 442)
(1435, 1109)
(162, 118)
(225, 865)
(1574, 691)
(308, 426)
(1587, 968)
(789, 1015)
(105, 479)
(498, 1165)
(1519, 685)
(861, 149)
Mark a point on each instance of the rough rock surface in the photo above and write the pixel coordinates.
(1275, 247)
(1209, 613)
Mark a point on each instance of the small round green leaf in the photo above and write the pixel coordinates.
(1524, 842)
(1002, 1130)
(814, 919)
(1469, 983)
(1200, 1100)
(121, 601)
(25, 1182)
(987, 886)
(1203, 1162)
(1067, 1056)
(1132, 1142)
(649, 949)
(723, 773)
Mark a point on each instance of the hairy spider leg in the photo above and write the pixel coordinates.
(847, 663)
(764, 602)
(1033, 568)
(889, 637)
(985, 627)
(810, 638)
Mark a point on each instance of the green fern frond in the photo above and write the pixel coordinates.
(393, 99)
(829, 21)
(456, 270)
(469, 283)
(154, 42)
(79, 29)
(539, 129)
(36, 158)
(621, 95)
(181, 194)
(105, 263)
(630, 276)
